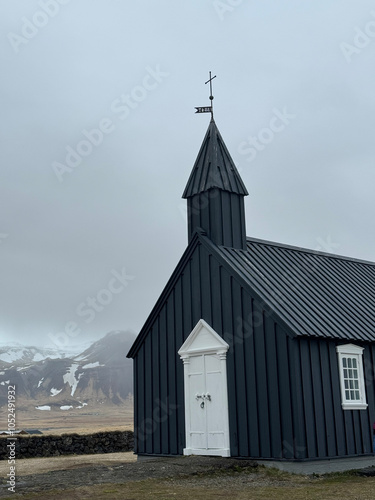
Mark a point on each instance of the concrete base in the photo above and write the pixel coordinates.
(147, 458)
(321, 466)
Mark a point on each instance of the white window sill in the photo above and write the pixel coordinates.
(355, 406)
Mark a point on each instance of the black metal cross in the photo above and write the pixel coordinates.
(208, 109)
(211, 96)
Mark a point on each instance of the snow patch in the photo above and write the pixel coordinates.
(43, 407)
(70, 378)
(6, 382)
(55, 392)
(11, 356)
(82, 405)
(92, 365)
(2, 373)
(66, 407)
(40, 382)
(81, 357)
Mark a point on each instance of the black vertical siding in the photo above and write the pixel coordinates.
(273, 388)
(284, 388)
(297, 396)
(164, 382)
(329, 415)
(221, 214)
(148, 391)
(317, 384)
(179, 328)
(156, 437)
(139, 400)
(172, 374)
(261, 378)
(227, 307)
(136, 383)
(330, 431)
(284, 392)
(246, 325)
(239, 362)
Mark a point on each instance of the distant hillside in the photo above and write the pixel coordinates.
(100, 375)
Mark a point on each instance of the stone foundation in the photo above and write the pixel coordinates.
(68, 444)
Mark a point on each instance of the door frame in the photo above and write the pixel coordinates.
(203, 340)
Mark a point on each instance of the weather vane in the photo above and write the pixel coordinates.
(208, 109)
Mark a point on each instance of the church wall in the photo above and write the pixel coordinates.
(326, 430)
(257, 359)
(284, 393)
(261, 418)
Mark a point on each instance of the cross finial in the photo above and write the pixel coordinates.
(208, 109)
(211, 96)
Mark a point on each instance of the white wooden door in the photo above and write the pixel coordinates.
(206, 398)
(207, 421)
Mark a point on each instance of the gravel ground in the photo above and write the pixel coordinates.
(101, 469)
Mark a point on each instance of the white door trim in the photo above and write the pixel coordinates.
(204, 341)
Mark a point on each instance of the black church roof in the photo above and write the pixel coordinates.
(316, 294)
(214, 167)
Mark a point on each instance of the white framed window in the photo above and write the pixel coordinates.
(352, 382)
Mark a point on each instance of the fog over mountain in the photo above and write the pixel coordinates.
(50, 380)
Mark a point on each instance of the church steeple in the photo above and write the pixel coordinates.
(215, 193)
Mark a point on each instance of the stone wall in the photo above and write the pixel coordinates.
(68, 444)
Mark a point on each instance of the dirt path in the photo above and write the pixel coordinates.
(40, 475)
(29, 466)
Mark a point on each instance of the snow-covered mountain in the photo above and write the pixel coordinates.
(14, 352)
(100, 375)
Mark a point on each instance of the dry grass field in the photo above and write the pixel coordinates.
(117, 476)
(238, 483)
(82, 421)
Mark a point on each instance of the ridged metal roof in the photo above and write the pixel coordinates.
(214, 167)
(316, 294)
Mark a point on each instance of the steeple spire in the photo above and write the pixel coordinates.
(215, 193)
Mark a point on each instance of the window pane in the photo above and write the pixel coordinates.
(351, 375)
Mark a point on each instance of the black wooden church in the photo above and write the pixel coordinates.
(254, 348)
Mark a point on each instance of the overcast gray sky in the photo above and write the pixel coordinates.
(98, 138)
